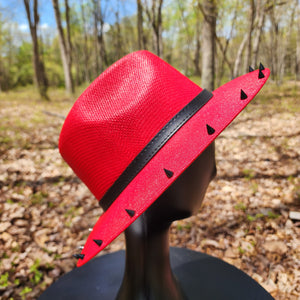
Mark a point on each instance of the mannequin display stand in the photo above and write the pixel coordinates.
(150, 270)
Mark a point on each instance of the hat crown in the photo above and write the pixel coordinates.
(119, 114)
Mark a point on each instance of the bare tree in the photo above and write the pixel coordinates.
(140, 26)
(209, 10)
(298, 45)
(188, 36)
(65, 45)
(274, 43)
(250, 30)
(96, 41)
(39, 69)
(247, 41)
(196, 59)
(85, 44)
(68, 43)
(260, 15)
(100, 51)
(118, 39)
(225, 47)
(155, 18)
(1, 75)
(238, 60)
(286, 41)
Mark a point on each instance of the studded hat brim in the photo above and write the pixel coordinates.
(177, 154)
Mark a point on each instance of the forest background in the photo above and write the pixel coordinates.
(71, 42)
(50, 51)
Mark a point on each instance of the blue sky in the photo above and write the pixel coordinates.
(14, 11)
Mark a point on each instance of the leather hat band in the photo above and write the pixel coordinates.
(153, 147)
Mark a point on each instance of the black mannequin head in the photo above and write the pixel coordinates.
(148, 274)
(184, 197)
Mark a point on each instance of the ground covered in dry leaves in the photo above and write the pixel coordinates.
(45, 211)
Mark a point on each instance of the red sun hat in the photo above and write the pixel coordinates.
(136, 128)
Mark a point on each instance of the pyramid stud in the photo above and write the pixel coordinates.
(260, 74)
(169, 173)
(210, 130)
(78, 256)
(243, 95)
(251, 69)
(261, 67)
(98, 242)
(130, 212)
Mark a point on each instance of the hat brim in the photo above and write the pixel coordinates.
(176, 155)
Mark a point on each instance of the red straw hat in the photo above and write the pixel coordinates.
(136, 128)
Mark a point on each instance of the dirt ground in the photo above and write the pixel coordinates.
(45, 211)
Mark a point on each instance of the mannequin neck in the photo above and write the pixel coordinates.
(148, 273)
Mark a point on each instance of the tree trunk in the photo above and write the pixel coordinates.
(238, 60)
(96, 48)
(39, 70)
(159, 30)
(196, 59)
(260, 15)
(119, 37)
(274, 45)
(99, 37)
(209, 9)
(69, 44)
(1, 74)
(285, 44)
(65, 54)
(85, 45)
(155, 18)
(249, 44)
(225, 48)
(140, 21)
(188, 40)
(298, 46)
(78, 72)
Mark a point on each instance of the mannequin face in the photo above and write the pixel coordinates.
(185, 196)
